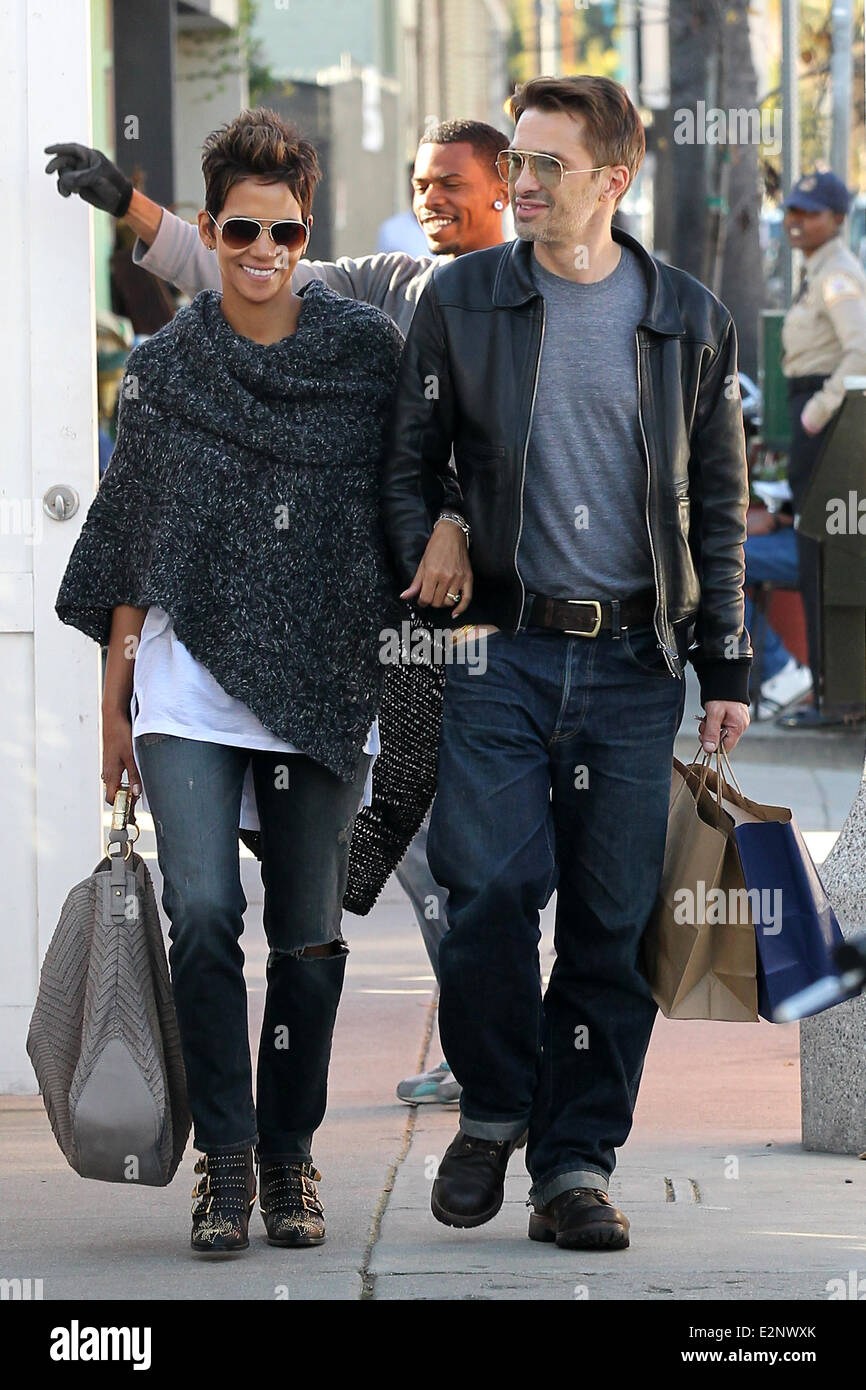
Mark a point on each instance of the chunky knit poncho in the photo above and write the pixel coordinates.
(242, 498)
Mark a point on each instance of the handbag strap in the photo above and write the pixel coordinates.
(119, 837)
(119, 832)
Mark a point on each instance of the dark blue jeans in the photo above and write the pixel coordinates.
(554, 772)
(774, 557)
(306, 814)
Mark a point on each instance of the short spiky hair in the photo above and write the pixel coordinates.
(258, 144)
(486, 140)
(614, 132)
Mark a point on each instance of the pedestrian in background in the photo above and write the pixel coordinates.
(771, 557)
(824, 341)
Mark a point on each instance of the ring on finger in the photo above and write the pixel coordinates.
(455, 598)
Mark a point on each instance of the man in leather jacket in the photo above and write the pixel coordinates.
(592, 539)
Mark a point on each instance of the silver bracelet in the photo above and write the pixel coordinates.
(458, 521)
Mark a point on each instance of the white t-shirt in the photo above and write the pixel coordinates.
(174, 694)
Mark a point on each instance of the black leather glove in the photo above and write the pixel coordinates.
(91, 175)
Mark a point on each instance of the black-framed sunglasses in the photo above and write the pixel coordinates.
(238, 232)
(546, 168)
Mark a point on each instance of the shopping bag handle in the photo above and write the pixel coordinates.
(721, 756)
(724, 752)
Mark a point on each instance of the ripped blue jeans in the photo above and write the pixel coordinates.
(307, 814)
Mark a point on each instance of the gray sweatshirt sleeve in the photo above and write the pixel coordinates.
(391, 281)
(179, 256)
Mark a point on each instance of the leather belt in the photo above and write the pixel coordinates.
(589, 617)
(797, 385)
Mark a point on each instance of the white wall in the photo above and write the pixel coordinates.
(49, 694)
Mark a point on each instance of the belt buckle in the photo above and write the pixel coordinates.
(587, 603)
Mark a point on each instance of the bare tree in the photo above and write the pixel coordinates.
(715, 182)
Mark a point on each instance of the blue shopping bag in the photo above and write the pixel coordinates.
(796, 931)
(796, 945)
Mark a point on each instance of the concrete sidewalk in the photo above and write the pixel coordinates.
(722, 1200)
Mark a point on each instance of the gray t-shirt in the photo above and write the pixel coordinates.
(584, 500)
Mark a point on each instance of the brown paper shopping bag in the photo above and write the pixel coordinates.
(699, 963)
(796, 929)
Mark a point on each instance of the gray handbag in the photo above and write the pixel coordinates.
(103, 1038)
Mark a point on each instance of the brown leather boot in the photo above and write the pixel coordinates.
(581, 1219)
(470, 1185)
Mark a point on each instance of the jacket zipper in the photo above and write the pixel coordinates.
(665, 649)
(526, 452)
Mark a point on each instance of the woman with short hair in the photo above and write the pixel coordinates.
(233, 560)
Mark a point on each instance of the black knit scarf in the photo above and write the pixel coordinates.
(242, 498)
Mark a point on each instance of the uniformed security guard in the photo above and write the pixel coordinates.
(824, 341)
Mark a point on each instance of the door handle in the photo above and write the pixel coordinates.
(60, 502)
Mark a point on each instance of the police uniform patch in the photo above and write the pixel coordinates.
(840, 285)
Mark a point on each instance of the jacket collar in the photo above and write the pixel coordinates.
(818, 259)
(514, 283)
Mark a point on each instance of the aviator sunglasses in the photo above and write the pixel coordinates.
(546, 168)
(239, 232)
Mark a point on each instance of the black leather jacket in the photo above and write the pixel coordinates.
(464, 407)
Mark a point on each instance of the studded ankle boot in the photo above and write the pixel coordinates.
(290, 1203)
(224, 1197)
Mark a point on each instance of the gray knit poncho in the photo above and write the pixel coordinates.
(242, 498)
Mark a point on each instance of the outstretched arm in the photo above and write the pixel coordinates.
(172, 249)
(167, 246)
(91, 175)
(388, 282)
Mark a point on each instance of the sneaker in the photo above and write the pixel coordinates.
(786, 688)
(436, 1087)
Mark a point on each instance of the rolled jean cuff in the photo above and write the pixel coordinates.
(493, 1129)
(301, 1151)
(543, 1192)
(238, 1147)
